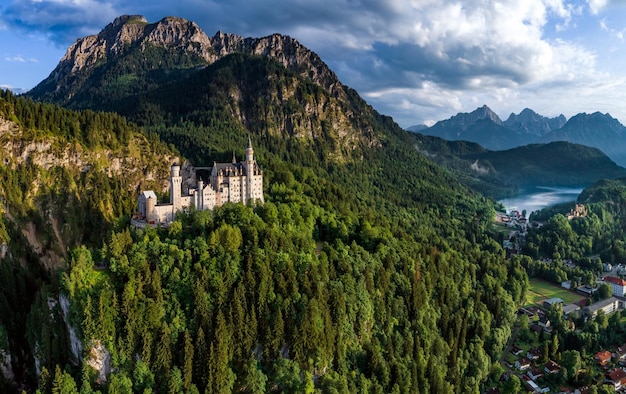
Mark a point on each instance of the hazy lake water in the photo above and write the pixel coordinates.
(539, 198)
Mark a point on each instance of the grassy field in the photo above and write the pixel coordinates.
(541, 290)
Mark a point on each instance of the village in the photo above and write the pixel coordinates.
(532, 361)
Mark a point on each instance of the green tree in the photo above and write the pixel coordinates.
(188, 361)
(63, 383)
(254, 380)
(513, 385)
(571, 363)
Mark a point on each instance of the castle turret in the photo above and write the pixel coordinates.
(150, 209)
(249, 152)
(200, 195)
(249, 173)
(175, 187)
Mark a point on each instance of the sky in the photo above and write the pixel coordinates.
(418, 61)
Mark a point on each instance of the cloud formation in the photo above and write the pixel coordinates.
(411, 59)
(20, 59)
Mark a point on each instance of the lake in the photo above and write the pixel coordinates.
(539, 198)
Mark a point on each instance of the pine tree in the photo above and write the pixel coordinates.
(188, 361)
(219, 371)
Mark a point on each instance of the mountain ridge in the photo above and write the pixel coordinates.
(595, 130)
(130, 33)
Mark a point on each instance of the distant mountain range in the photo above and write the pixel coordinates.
(496, 173)
(484, 127)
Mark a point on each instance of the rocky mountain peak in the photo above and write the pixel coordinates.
(129, 33)
(594, 121)
(463, 120)
(528, 121)
(485, 112)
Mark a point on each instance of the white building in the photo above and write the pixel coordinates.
(617, 285)
(236, 182)
(608, 305)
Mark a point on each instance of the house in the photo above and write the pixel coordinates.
(602, 357)
(566, 284)
(617, 378)
(535, 373)
(544, 323)
(620, 354)
(608, 305)
(527, 311)
(522, 364)
(536, 328)
(533, 354)
(586, 290)
(534, 387)
(617, 285)
(516, 350)
(536, 311)
(551, 367)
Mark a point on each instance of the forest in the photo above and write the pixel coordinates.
(352, 277)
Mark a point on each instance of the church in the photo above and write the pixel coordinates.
(236, 182)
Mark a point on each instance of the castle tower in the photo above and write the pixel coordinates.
(249, 152)
(176, 182)
(150, 209)
(249, 173)
(200, 195)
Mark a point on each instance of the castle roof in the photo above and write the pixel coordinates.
(148, 194)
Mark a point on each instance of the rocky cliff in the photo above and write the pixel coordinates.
(528, 121)
(187, 45)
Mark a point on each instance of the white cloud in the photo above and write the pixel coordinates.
(20, 59)
(596, 6)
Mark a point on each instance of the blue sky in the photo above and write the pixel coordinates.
(418, 61)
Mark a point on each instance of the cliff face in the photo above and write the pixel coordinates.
(131, 34)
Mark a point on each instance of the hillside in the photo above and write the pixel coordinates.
(368, 268)
(67, 179)
(496, 172)
(598, 130)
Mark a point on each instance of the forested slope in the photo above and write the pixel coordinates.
(66, 178)
(405, 293)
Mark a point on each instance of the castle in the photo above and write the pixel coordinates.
(228, 182)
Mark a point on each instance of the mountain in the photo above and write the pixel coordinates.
(131, 56)
(417, 127)
(552, 164)
(482, 126)
(499, 173)
(530, 122)
(598, 130)
(368, 267)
